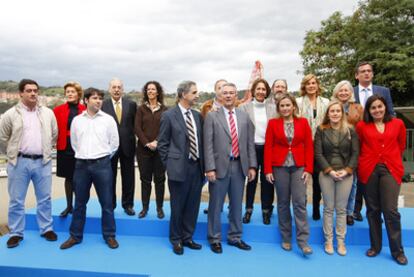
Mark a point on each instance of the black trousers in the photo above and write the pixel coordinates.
(316, 191)
(359, 198)
(151, 167)
(267, 190)
(185, 203)
(127, 177)
(381, 195)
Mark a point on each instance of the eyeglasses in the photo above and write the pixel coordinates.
(35, 90)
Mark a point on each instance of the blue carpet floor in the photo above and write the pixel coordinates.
(145, 251)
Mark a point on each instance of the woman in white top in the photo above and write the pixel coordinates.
(260, 111)
(312, 106)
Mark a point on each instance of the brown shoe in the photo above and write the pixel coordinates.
(287, 246)
(112, 243)
(14, 241)
(49, 236)
(371, 253)
(401, 259)
(69, 243)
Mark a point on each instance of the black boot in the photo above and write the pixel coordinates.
(69, 198)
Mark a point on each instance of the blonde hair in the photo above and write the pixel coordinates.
(305, 80)
(292, 99)
(339, 86)
(343, 124)
(74, 85)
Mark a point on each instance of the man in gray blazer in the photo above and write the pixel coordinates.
(230, 156)
(180, 145)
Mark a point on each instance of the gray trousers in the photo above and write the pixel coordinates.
(289, 184)
(233, 184)
(335, 197)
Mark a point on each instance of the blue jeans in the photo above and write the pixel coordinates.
(19, 177)
(351, 199)
(99, 173)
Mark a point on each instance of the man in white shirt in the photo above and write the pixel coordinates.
(94, 139)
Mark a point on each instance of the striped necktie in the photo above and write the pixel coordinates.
(234, 138)
(191, 137)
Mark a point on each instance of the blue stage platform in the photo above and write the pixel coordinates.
(145, 251)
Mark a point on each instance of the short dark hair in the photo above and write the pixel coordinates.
(184, 87)
(368, 117)
(264, 82)
(92, 91)
(25, 82)
(361, 63)
(160, 91)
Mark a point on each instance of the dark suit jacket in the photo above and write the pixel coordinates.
(127, 139)
(382, 91)
(325, 146)
(173, 143)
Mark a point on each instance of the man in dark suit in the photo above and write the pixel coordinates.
(180, 145)
(230, 156)
(123, 111)
(364, 73)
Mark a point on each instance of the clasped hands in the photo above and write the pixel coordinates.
(306, 177)
(152, 145)
(338, 175)
(211, 175)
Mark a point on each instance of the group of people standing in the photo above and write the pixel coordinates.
(344, 148)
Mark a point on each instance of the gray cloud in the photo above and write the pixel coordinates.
(93, 41)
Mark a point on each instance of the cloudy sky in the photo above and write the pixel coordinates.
(91, 41)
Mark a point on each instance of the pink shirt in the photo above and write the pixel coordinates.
(31, 142)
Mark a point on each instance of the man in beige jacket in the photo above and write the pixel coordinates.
(28, 131)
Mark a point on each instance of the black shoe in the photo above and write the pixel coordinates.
(358, 216)
(66, 212)
(160, 213)
(129, 211)
(69, 243)
(143, 213)
(349, 220)
(316, 215)
(266, 218)
(178, 248)
(247, 216)
(112, 243)
(192, 245)
(49, 236)
(14, 241)
(240, 244)
(371, 253)
(216, 248)
(205, 211)
(401, 259)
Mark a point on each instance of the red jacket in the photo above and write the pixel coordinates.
(386, 148)
(62, 115)
(277, 147)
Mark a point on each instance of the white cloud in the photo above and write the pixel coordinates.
(92, 41)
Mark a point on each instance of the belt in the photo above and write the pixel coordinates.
(27, 156)
(93, 160)
(235, 158)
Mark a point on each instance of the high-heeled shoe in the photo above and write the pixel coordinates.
(66, 211)
(247, 216)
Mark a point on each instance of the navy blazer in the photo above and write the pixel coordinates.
(127, 141)
(174, 146)
(381, 91)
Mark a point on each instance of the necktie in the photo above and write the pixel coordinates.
(118, 112)
(365, 90)
(234, 138)
(191, 136)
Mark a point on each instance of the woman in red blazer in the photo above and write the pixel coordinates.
(65, 160)
(288, 163)
(380, 169)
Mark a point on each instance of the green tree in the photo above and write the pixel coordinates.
(379, 31)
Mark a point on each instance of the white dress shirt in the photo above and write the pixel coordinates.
(94, 137)
(184, 113)
(364, 93)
